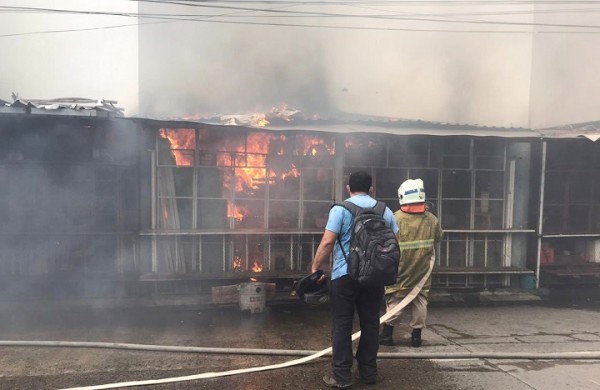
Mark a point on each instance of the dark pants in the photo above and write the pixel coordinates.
(346, 295)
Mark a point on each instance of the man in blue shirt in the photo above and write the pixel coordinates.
(346, 294)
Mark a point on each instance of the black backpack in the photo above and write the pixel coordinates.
(374, 252)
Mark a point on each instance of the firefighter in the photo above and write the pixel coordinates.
(419, 234)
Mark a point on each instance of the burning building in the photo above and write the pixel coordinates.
(97, 204)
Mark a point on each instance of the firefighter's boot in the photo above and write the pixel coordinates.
(415, 338)
(385, 338)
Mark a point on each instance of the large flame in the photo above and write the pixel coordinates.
(249, 162)
(181, 140)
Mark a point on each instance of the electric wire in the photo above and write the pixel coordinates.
(172, 18)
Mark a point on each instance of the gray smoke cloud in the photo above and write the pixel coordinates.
(488, 78)
(528, 78)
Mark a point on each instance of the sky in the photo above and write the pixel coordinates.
(97, 63)
(493, 63)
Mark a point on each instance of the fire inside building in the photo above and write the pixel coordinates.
(97, 204)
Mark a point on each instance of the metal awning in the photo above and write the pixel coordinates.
(394, 127)
(400, 127)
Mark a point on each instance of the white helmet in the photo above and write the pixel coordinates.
(411, 191)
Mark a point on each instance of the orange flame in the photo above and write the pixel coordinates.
(246, 158)
(180, 140)
(317, 146)
(354, 142)
(237, 264)
(253, 280)
(260, 120)
(256, 267)
(236, 212)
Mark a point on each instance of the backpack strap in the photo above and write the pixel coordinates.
(351, 207)
(379, 208)
(354, 210)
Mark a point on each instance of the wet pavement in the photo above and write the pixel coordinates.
(561, 326)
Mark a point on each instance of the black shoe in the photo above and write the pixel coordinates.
(385, 338)
(331, 382)
(415, 338)
(359, 378)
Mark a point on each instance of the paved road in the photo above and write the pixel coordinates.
(521, 328)
(517, 329)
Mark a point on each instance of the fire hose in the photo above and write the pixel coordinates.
(308, 355)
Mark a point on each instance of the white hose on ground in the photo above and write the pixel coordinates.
(414, 292)
(581, 355)
(312, 355)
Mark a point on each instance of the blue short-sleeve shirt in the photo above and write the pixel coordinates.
(340, 222)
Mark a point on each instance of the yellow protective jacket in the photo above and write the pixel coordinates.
(418, 236)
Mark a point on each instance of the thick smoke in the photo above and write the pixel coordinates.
(488, 78)
(530, 78)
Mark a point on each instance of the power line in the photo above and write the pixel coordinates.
(307, 13)
(427, 3)
(174, 18)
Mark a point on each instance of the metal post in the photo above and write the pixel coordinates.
(541, 215)
(224, 265)
(485, 257)
(200, 253)
(246, 255)
(268, 265)
(154, 207)
(291, 251)
(509, 214)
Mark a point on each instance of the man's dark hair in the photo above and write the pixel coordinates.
(360, 181)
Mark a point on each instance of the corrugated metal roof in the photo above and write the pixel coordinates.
(381, 126)
(589, 130)
(62, 106)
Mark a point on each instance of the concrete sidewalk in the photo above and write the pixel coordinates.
(204, 301)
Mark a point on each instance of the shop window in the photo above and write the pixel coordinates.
(210, 182)
(311, 150)
(553, 219)
(250, 214)
(318, 184)
(489, 184)
(579, 187)
(213, 252)
(578, 218)
(456, 184)
(387, 181)
(366, 150)
(214, 214)
(456, 214)
(489, 153)
(456, 152)
(409, 152)
(555, 192)
(283, 215)
(315, 215)
(281, 257)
